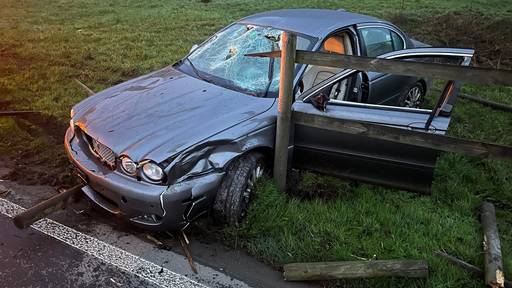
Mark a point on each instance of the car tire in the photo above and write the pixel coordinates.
(237, 188)
(413, 96)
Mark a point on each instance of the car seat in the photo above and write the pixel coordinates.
(338, 44)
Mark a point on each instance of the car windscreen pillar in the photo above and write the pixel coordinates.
(287, 73)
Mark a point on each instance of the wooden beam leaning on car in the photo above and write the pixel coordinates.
(407, 68)
(427, 140)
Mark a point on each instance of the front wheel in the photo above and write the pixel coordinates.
(413, 96)
(237, 188)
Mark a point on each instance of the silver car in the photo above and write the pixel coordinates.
(193, 137)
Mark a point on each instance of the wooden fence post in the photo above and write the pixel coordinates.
(494, 276)
(287, 75)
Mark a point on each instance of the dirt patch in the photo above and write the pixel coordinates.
(307, 185)
(39, 159)
(489, 36)
(28, 174)
(43, 125)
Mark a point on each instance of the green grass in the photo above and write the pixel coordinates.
(45, 44)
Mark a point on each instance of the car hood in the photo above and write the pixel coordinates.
(160, 114)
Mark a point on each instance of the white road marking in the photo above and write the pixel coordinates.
(110, 254)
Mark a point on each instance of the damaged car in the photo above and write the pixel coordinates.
(193, 137)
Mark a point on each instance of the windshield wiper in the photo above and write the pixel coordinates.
(197, 71)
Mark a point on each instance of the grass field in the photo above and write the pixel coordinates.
(45, 44)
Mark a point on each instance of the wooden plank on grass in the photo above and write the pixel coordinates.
(494, 276)
(355, 269)
(399, 67)
(421, 139)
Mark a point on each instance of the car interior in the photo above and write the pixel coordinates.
(339, 43)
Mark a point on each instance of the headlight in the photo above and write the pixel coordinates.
(153, 171)
(128, 166)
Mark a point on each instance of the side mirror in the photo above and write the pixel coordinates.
(194, 47)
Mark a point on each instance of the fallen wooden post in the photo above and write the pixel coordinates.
(45, 208)
(494, 276)
(473, 270)
(355, 269)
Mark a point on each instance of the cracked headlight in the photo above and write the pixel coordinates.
(153, 171)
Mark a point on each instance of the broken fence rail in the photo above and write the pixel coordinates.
(399, 67)
(398, 135)
(45, 208)
(17, 113)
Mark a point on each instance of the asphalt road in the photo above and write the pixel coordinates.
(29, 258)
(84, 246)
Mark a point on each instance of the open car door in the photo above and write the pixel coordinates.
(372, 160)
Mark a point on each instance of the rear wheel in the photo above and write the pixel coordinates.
(413, 96)
(237, 188)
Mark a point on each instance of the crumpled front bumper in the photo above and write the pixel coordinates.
(151, 206)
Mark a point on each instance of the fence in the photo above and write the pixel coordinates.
(286, 117)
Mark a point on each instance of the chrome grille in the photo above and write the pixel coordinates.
(104, 153)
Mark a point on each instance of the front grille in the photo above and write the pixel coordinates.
(105, 154)
(102, 152)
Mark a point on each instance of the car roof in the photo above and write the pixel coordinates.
(313, 22)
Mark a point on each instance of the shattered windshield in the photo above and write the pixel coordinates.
(221, 60)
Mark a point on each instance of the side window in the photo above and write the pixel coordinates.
(387, 89)
(378, 41)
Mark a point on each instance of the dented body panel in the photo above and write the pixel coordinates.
(194, 127)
